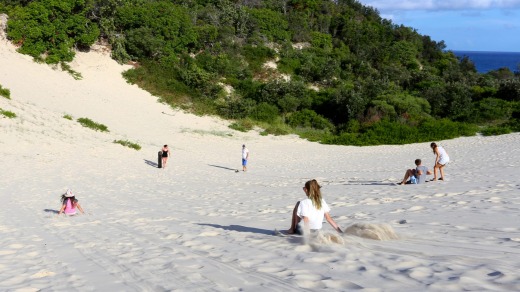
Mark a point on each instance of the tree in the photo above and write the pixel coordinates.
(155, 29)
(509, 90)
(49, 30)
(269, 24)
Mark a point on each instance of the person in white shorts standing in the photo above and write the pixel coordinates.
(441, 159)
(245, 157)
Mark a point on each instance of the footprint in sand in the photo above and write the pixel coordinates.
(416, 208)
(173, 236)
(308, 281)
(209, 233)
(43, 274)
(271, 270)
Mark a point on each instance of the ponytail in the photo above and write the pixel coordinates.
(313, 188)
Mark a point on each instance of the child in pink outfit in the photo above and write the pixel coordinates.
(69, 204)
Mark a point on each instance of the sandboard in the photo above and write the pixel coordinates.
(159, 160)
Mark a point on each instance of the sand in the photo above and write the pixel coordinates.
(196, 225)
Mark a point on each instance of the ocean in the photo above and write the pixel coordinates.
(487, 61)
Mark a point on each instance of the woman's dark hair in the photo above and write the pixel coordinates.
(64, 199)
(433, 145)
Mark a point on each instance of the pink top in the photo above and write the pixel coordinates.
(69, 208)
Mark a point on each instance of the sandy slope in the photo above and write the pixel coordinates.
(199, 226)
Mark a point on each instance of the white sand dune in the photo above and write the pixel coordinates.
(199, 226)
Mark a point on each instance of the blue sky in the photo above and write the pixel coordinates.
(471, 25)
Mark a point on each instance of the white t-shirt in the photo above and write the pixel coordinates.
(245, 152)
(307, 209)
(443, 156)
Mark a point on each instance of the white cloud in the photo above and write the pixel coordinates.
(392, 5)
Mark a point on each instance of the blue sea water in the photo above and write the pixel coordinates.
(487, 61)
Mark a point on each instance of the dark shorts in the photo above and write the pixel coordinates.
(244, 162)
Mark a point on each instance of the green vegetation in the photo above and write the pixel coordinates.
(86, 122)
(128, 144)
(341, 73)
(7, 114)
(66, 67)
(204, 132)
(68, 117)
(244, 125)
(388, 132)
(5, 92)
(48, 30)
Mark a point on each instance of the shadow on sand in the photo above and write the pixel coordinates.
(151, 163)
(224, 167)
(51, 211)
(294, 239)
(240, 228)
(369, 183)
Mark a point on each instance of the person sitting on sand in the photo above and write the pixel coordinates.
(311, 210)
(69, 204)
(417, 175)
(441, 159)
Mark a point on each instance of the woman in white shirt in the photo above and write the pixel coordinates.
(441, 159)
(311, 210)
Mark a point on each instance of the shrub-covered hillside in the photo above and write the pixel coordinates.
(331, 71)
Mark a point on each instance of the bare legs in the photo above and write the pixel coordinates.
(164, 160)
(294, 220)
(441, 170)
(439, 167)
(407, 175)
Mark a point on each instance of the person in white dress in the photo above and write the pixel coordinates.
(441, 159)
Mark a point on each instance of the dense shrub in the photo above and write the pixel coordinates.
(309, 119)
(313, 135)
(269, 24)
(48, 30)
(257, 55)
(196, 77)
(243, 125)
(509, 90)
(264, 112)
(495, 130)
(276, 129)
(388, 132)
(492, 109)
(154, 29)
(402, 105)
(238, 108)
